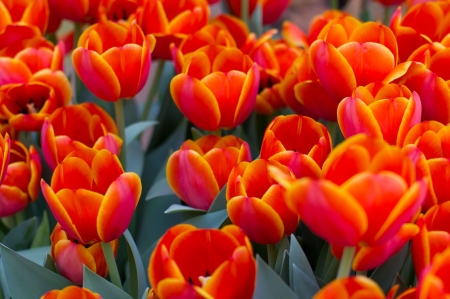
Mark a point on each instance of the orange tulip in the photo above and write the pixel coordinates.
(295, 140)
(70, 256)
(118, 10)
(434, 280)
(75, 10)
(79, 126)
(21, 178)
(433, 90)
(385, 111)
(430, 241)
(5, 148)
(256, 202)
(198, 171)
(435, 56)
(29, 15)
(271, 10)
(351, 288)
(217, 87)
(71, 292)
(95, 181)
(203, 263)
(100, 59)
(171, 21)
(431, 138)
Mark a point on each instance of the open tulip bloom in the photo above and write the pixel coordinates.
(249, 162)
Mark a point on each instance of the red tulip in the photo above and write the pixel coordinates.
(95, 181)
(351, 288)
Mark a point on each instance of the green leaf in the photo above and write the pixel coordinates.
(137, 273)
(36, 255)
(177, 208)
(196, 133)
(23, 272)
(42, 237)
(135, 158)
(220, 202)
(385, 274)
(283, 247)
(4, 286)
(49, 263)
(331, 272)
(298, 258)
(22, 235)
(135, 129)
(255, 22)
(302, 285)
(284, 272)
(269, 285)
(321, 261)
(101, 286)
(210, 220)
(160, 188)
(408, 275)
(130, 112)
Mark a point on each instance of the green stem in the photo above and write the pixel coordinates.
(78, 84)
(334, 4)
(153, 90)
(361, 273)
(386, 15)
(244, 11)
(365, 11)
(272, 254)
(120, 121)
(111, 263)
(345, 266)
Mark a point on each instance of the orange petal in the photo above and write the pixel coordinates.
(12, 200)
(72, 173)
(411, 117)
(222, 162)
(13, 71)
(440, 174)
(106, 168)
(312, 95)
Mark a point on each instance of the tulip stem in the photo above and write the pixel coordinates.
(345, 266)
(120, 121)
(386, 15)
(244, 11)
(111, 263)
(78, 84)
(334, 4)
(153, 90)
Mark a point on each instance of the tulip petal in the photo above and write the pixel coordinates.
(72, 173)
(313, 96)
(440, 176)
(301, 165)
(247, 98)
(12, 200)
(106, 168)
(13, 71)
(222, 162)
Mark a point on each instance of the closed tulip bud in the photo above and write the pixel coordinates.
(71, 292)
(96, 181)
(70, 255)
(199, 170)
(191, 263)
(351, 287)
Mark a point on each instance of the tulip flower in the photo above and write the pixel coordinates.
(71, 292)
(434, 280)
(100, 59)
(29, 15)
(256, 202)
(5, 148)
(92, 178)
(20, 177)
(271, 10)
(294, 138)
(76, 10)
(70, 256)
(209, 263)
(351, 288)
(198, 171)
(171, 21)
(433, 91)
(385, 111)
(79, 126)
(217, 87)
(118, 10)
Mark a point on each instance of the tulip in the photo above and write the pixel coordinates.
(100, 59)
(271, 10)
(171, 21)
(95, 181)
(217, 87)
(5, 148)
(79, 126)
(76, 10)
(198, 171)
(256, 202)
(351, 288)
(191, 263)
(21, 177)
(434, 280)
(71, 292)
(70, 256)
(299, 138)
(118, 10)
(29, 14)
(385, 111)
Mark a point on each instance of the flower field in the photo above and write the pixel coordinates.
(166, 149)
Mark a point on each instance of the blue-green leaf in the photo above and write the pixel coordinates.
(302, 285)
(220, 202)
(284, 272)
(298, 258)
(283, 246)
(134, 130)
(145, 295)
(22, 235)
(49, 263)
(36, 255)
(177, 208)
(101, 286)
(137, 273)
(135, 158)
(160, 188)
(42, 237)
(210, 220)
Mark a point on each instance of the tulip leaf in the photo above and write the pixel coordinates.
(196, 133)
(255, 22)
(134, 130)
(298, 258)
(145, 295)
(101, 286)
(220, 202)
(284, 271)
(22, 235)
(269, 285)
(135, 158)
(137, 273)
(321, 261)
(283, 246)
(50, 264)
(302, 285)
(42, 237)
(331, 272)
(407, 274)
(36, 255)
(210, 220)
(4, 286)
(177, 208)
(130, 113)
(38, 279)
(160, 188)
(385, 274)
